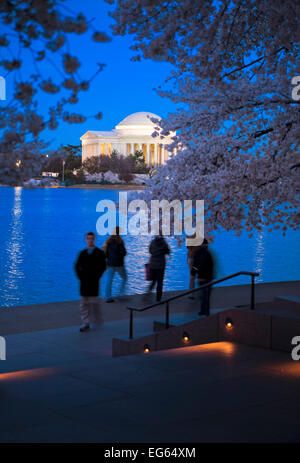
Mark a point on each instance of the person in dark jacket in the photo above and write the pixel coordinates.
(190, 258)
(158, 249)
(115, 251)
(89, 267)
(203, 267)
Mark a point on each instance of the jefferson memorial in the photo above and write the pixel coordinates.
(131, 134)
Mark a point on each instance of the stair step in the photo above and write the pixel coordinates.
(182, 318)
(159, 325)
(290, 303)
(202, 330)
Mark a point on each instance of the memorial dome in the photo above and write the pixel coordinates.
(141, 118)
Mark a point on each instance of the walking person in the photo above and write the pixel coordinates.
(115, 252)
(190, 259)
(158, 249)
(89, 267)
(203, 267)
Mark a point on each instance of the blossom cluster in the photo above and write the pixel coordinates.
(237, 126)
(36, 56)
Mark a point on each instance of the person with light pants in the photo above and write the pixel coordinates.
(89, 267)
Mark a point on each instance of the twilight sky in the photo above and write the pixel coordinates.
(122, 88)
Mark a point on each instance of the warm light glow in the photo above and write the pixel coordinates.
(146, 349)
(228, 323)
(223, 347)
(185, 337)
(27, 374)
(288, 368)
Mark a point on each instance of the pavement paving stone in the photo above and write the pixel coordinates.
(59, 385)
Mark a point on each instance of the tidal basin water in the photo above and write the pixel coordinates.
(43, 229)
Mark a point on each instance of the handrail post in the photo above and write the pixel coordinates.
(252, 293)
(131, 325)
(167, 315)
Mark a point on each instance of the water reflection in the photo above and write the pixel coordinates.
(138, 255)
(43, 230)
(14, 249)
(259, 256)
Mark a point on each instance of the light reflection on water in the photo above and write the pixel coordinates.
(259, 257)
(43, 231)
(14, 247)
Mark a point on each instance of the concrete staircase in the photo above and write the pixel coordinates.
(271, 325)
(289, 303)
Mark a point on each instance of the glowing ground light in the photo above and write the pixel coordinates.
(146, 349)
(185, 337)
(228, 323)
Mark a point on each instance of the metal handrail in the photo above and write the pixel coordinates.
(191, 291)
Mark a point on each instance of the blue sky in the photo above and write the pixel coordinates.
(122, 88)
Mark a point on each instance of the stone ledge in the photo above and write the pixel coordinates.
(251, 328)
(21, 319)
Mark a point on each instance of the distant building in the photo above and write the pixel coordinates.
(131, 134)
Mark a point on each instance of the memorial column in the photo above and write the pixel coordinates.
(155, 154)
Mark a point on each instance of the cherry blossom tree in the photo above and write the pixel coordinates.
(35, 54)
(237, 124)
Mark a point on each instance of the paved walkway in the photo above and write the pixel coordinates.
(59, 385)
(50, 315)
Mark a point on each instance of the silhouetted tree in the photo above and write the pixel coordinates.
(38, 29)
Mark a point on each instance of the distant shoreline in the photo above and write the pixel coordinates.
(91, 186)
(107, 187)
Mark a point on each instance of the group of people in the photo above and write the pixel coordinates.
(92, 262)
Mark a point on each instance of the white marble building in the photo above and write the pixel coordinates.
(132, 134)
